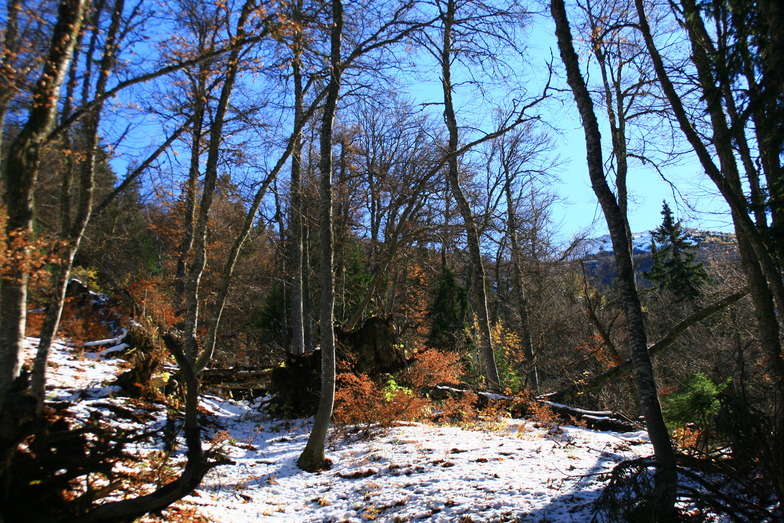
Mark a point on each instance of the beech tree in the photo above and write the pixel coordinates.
(662, 502)
(455, 41)
(392, 23)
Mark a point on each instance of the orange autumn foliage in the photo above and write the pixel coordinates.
(361, 401)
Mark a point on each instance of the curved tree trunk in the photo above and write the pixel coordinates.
(666, 475)
(472, 231)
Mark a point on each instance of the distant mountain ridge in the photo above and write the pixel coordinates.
(596, 253)
(602, 245)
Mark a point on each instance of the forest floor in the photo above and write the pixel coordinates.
(485, 470)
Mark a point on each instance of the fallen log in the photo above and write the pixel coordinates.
(237, 379)
(602, 420)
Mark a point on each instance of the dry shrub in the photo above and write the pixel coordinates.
(457, 409)
(21, 253)
(689, 439)
(152, 301)
(434, 367)
(360, 400)
(525, 404)
(86, 316)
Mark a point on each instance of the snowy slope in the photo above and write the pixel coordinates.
(494, 470)
(508, 469)
(641, 242)
(490, 470)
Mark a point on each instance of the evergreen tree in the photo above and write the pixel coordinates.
(448, 314)
(674, 260)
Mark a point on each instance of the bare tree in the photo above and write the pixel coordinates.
(663, 499)
(20, 174)
(312, 457)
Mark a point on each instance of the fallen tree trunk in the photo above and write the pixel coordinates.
(603, 420)
(237, 379)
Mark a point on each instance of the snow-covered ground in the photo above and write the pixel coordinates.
(493, 470)
(499, 471)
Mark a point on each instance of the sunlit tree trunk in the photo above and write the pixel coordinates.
(295, 207)
(472, 231)
(313, 457)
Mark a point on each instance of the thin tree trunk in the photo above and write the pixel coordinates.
(313, 457)
(199, 264)
(295, 210)
(666, 475)
(73, 228)
(189, 213)
(472, 231)
(532, 376)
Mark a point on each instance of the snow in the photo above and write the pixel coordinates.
(641, 243)
(502, 470)
(487, 470)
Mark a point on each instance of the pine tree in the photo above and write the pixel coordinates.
(674, 260)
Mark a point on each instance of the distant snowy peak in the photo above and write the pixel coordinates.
(642, 241)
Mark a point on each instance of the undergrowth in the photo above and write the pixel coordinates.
(426, 392)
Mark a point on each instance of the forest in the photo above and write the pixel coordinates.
(350, 206)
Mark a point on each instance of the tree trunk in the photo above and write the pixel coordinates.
(532, 376)
(73, 228)
(21, 172)
(295, 208)
(195, 468)
(666, 475)
(313, 457)
(472, 231)
(761, 270)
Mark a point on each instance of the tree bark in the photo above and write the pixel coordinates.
(313, 457)
(73, 228)
(295, 208)
(666, 475)
(757, 258)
